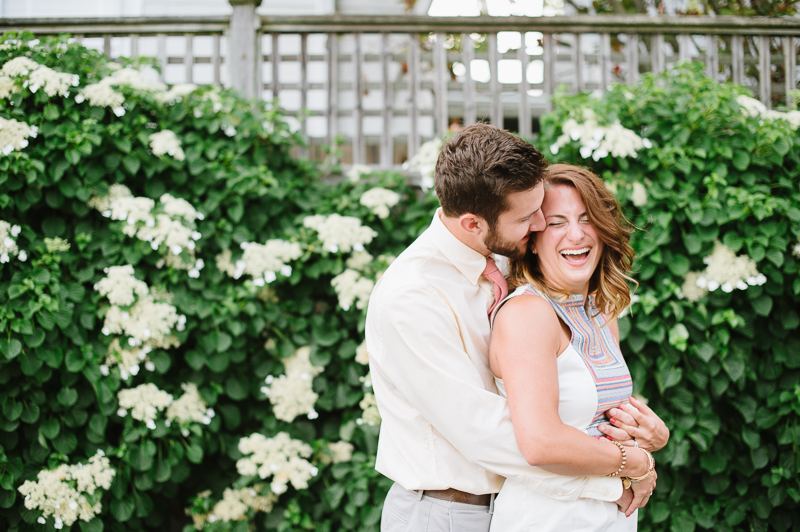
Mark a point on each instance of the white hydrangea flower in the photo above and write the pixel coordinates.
(146, 323)
(379, 200)
(752, 107)
(292, 394)
(144, 401)
(359, 260)
(130, 77)
(14, 135)
(341, 451)
(19, 66)
(235, 504)
(796, 249)
(725, 270)
(101, 95)
(190, 407)
(180, 208)
(53, 83)
(639, 195)
(165, 142)
(176, 93)
(352, 287)
(279, 457)
(144, 222)
(362, 356)
(126, 359)
(7, 87)
(262, 261)
(60, 492)
(132, 209)
(8, 244)
(115, 192)
(424, 162)
(340, 233)
(598, 141)
(356, 171)
(370, 414)
(121, 286)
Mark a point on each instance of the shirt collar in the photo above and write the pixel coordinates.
(468, 261)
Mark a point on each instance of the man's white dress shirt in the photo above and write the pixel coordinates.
(444, 424)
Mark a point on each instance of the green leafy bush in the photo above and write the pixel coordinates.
(711, 180)
(126, 220)
(254, 322)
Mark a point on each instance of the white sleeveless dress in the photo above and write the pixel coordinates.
(592, 377)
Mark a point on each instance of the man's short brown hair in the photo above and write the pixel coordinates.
(480, 166)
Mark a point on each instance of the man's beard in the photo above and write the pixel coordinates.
(498, 246)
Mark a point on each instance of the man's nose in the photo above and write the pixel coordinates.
(537, 222)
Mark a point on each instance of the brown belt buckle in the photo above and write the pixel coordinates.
(454, 495)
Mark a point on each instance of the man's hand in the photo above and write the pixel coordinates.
(636, 420)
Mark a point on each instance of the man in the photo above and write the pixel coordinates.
(446, 436)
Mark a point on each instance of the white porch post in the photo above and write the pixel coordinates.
(243, 47)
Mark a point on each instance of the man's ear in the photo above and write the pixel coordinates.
(472, 224)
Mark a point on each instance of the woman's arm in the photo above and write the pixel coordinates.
(525, 344)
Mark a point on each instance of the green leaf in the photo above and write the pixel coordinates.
(762, 305)
(122, 509)
(741, 160)
(194, 453)
(12, 410)
(74, 361)
(50, 428)
(682, 521)
(223, 342)
(10, 348)
(16, 290)
(67, 396)
(163, 471)
(95, 525)
(36, 339)
(131, 164)
(50, 112)
(237, 388)
(781, 146)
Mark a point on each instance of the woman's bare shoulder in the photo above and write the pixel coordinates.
(526, 310)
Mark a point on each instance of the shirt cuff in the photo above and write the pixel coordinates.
(602, 488)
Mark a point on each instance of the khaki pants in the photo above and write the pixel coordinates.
(407, 511)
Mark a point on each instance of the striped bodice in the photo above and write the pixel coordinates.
(598, 349)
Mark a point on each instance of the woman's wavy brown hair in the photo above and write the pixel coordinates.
(609, 283)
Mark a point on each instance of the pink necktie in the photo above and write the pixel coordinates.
(500, 285)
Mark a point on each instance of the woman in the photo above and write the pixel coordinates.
(555, 354)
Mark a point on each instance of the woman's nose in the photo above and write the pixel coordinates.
(575, 232)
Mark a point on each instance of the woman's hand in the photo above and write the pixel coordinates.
(636, 421)
(642, 491)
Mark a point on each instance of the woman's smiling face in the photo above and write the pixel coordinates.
(568, 248)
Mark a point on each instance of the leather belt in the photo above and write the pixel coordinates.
(455, 495)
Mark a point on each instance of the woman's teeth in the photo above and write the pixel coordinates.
(574, 254)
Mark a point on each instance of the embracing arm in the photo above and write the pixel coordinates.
(530, 374)
(415, 344)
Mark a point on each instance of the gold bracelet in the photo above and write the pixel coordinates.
(650, 470)
(624, 459)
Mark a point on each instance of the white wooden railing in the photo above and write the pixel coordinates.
(387, 84)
